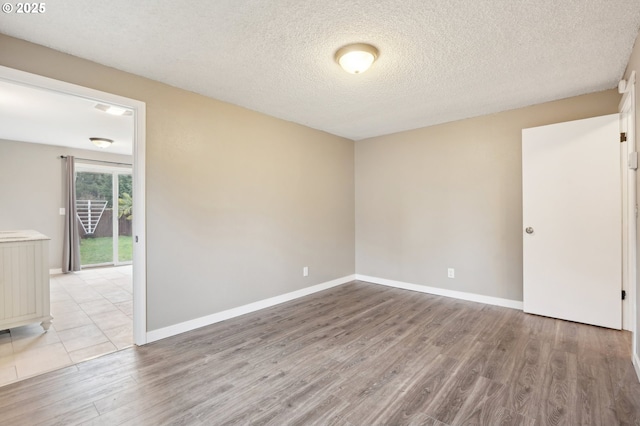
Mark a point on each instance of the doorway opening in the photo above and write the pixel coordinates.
(123, 248)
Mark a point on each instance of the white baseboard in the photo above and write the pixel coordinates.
(56, 271)
(513, 304)
(183, 327)
(636, 365)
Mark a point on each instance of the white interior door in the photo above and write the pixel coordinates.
(572, 221)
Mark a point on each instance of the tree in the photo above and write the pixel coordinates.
(125, 184)
(98, 186)
(125, 206)
(94, 186)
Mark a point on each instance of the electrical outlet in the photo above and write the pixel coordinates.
(451, 273)
(62, 211)
(305, 271)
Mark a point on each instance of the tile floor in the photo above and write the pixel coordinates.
(92, 315)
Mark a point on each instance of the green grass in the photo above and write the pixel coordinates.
(100, 250)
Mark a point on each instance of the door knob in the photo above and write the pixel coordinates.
(529, 230)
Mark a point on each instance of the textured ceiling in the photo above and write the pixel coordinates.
(440, 60)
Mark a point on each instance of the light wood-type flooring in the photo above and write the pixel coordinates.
(357, 354)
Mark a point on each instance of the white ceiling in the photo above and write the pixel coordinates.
(34, 115)
(440, 60)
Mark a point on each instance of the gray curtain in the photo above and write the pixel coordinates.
(71, 249)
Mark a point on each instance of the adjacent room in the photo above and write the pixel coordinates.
(42, 133)
(337, 213)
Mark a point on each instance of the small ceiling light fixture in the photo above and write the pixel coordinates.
(101, 142)
(114, 110)
(356, 58)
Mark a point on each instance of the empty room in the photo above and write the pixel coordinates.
(329, 213)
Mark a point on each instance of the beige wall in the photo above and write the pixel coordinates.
(450, 196)
(31, 189)
(237, 202)
(634, 65)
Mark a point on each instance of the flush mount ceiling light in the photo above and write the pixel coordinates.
(114, 110)
(101, 142)
(356, 58)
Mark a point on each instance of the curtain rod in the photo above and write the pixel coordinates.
(98, 161)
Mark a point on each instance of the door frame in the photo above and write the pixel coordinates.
(138, 151)
(627, 107)
(630, 204)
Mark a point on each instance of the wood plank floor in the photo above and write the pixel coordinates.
(358, 354)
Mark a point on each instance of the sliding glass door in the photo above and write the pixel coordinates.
(104, 214)
(123, 220)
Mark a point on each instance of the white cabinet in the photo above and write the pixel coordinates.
(24, 279)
